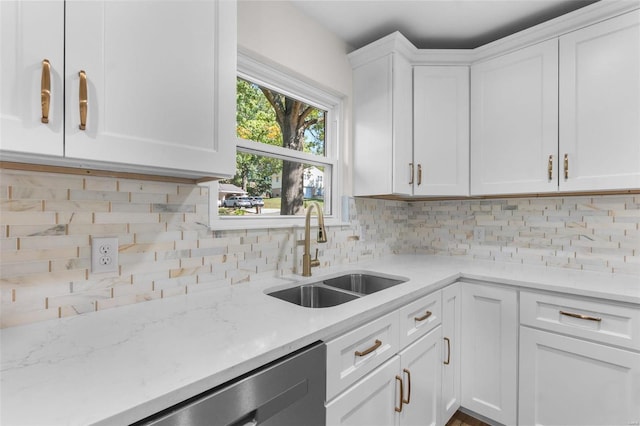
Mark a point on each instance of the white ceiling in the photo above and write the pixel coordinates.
(433, 24)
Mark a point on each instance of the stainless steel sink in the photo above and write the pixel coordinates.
(335, 291)
(362, 283)
(313, 296)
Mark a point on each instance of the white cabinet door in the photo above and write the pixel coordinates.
(489, 362)
(567, 381)
(32, 31)
(371, 401)
(382, 151)
(421, 375)
(441, 130)
(514, 122)
(160, 84)
(451, 311)
(600, 105)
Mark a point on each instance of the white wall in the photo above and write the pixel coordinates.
(287, 38)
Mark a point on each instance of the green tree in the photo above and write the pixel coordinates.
(298, 122)
(269, 117)
(255, 120)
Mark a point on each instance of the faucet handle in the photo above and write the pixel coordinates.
(315, 262)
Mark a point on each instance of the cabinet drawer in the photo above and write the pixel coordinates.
(419, 317)
(580, 317)
(356, 353)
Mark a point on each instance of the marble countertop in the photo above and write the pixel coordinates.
(121, 365)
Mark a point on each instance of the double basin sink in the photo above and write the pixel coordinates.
(337, 290)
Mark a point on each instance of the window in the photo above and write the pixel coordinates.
(286, 150)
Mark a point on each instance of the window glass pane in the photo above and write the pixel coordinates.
(278, 187)
(266, 116)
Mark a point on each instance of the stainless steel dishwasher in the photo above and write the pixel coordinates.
(288, 391)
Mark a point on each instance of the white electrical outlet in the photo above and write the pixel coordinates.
(478, 234)
(104, 254)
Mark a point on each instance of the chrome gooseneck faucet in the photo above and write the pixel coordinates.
(307, 262)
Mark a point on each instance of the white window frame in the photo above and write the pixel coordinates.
(275, 78)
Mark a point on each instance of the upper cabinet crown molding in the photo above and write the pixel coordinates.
(554, 28)
(393, 43)
(398, 43)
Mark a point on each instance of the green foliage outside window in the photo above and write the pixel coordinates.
(269, 117)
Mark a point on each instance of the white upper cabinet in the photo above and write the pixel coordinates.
(382, 151)
(148, 86)
(514, 122)
(411, 123)
(441, 130)
(600, 105)
(547, 118)
(32, 32)
(552, 108)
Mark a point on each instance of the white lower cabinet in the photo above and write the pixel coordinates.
(490, 351)
(421, 377)
(514, 357)
(370, 402)
(568, 381)
(581, 363)
(404, 391)
(451, 329)
(355, 354)
(371, 380)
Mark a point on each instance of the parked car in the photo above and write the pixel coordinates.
(237, 201)
(256, 201)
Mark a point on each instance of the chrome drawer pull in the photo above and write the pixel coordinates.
(580, 316)
(424, 317)
(375, 346)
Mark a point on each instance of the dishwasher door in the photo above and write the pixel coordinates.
(288, 391)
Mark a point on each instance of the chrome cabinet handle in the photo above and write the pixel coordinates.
(580, 316)
(446, 339)
(45, 90)
(410, 173)
(84, 106)
(399, 409)
(367, 351)
(419, 174)
(550, 167)
(424, 317)
(566, 166)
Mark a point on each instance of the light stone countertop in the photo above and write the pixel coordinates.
(121, 365)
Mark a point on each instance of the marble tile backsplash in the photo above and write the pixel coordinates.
(599, 233)
(166, 250)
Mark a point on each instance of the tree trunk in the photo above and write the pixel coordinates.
(291, 116)
(292, 172)
(292, 194)
(245, 181)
